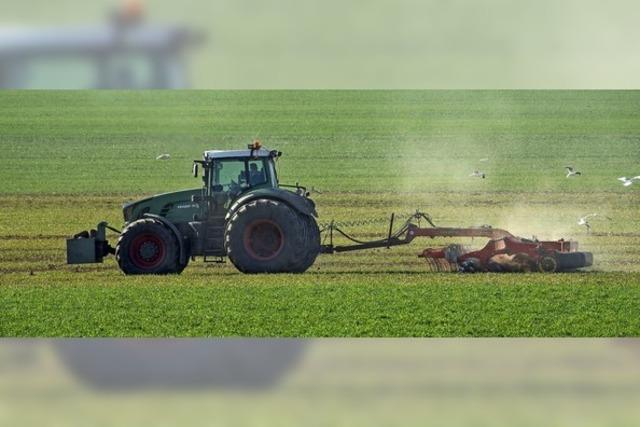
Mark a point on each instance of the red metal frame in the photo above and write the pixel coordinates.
(503, 252)
(502, 242)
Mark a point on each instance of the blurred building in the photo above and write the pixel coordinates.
(124, 53)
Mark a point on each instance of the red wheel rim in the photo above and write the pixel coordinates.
(263, 239)
(147, 251)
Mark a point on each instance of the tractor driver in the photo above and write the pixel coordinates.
(256, 176)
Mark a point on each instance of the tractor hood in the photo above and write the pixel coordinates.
(176, 205)
(179, 207)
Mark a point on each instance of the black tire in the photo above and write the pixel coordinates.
(494, 267)
(528, 265)
(471, 265)
(147, 246)
(312, 247)
(266, 236)
(181, 267)
(570, 261)
(547, 264)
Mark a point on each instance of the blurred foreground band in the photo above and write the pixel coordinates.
(320, 382)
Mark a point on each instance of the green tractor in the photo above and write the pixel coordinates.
(240, 212)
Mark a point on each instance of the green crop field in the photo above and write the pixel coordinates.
(70, 159)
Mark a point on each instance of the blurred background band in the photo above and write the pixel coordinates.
(125, 52)
(330, 44)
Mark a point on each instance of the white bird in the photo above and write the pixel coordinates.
(478, 174)
(163, 157)
(571, 171)
(486, 159)
(628, 181)
(585, 220)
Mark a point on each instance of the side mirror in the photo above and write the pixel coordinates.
(195, 170)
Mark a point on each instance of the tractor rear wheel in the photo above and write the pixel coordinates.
(312, 236)
(268, 236)
(146, 246)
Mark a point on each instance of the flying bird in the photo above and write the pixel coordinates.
(163, 157)
(585, 220)
(478, 174)
(571, 171)
(628, 181)
(486, 159)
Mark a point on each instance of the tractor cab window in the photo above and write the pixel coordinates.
(237, 175)
(229, 176)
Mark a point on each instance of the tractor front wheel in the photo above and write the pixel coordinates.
(146, 246)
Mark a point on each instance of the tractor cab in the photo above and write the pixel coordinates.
(227, 174)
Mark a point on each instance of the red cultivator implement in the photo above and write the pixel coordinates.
(503, 253)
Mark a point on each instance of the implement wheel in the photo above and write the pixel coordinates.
(268, 236)
(547, 264)
(146, 246)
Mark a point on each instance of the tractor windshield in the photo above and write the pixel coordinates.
(237, 175)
